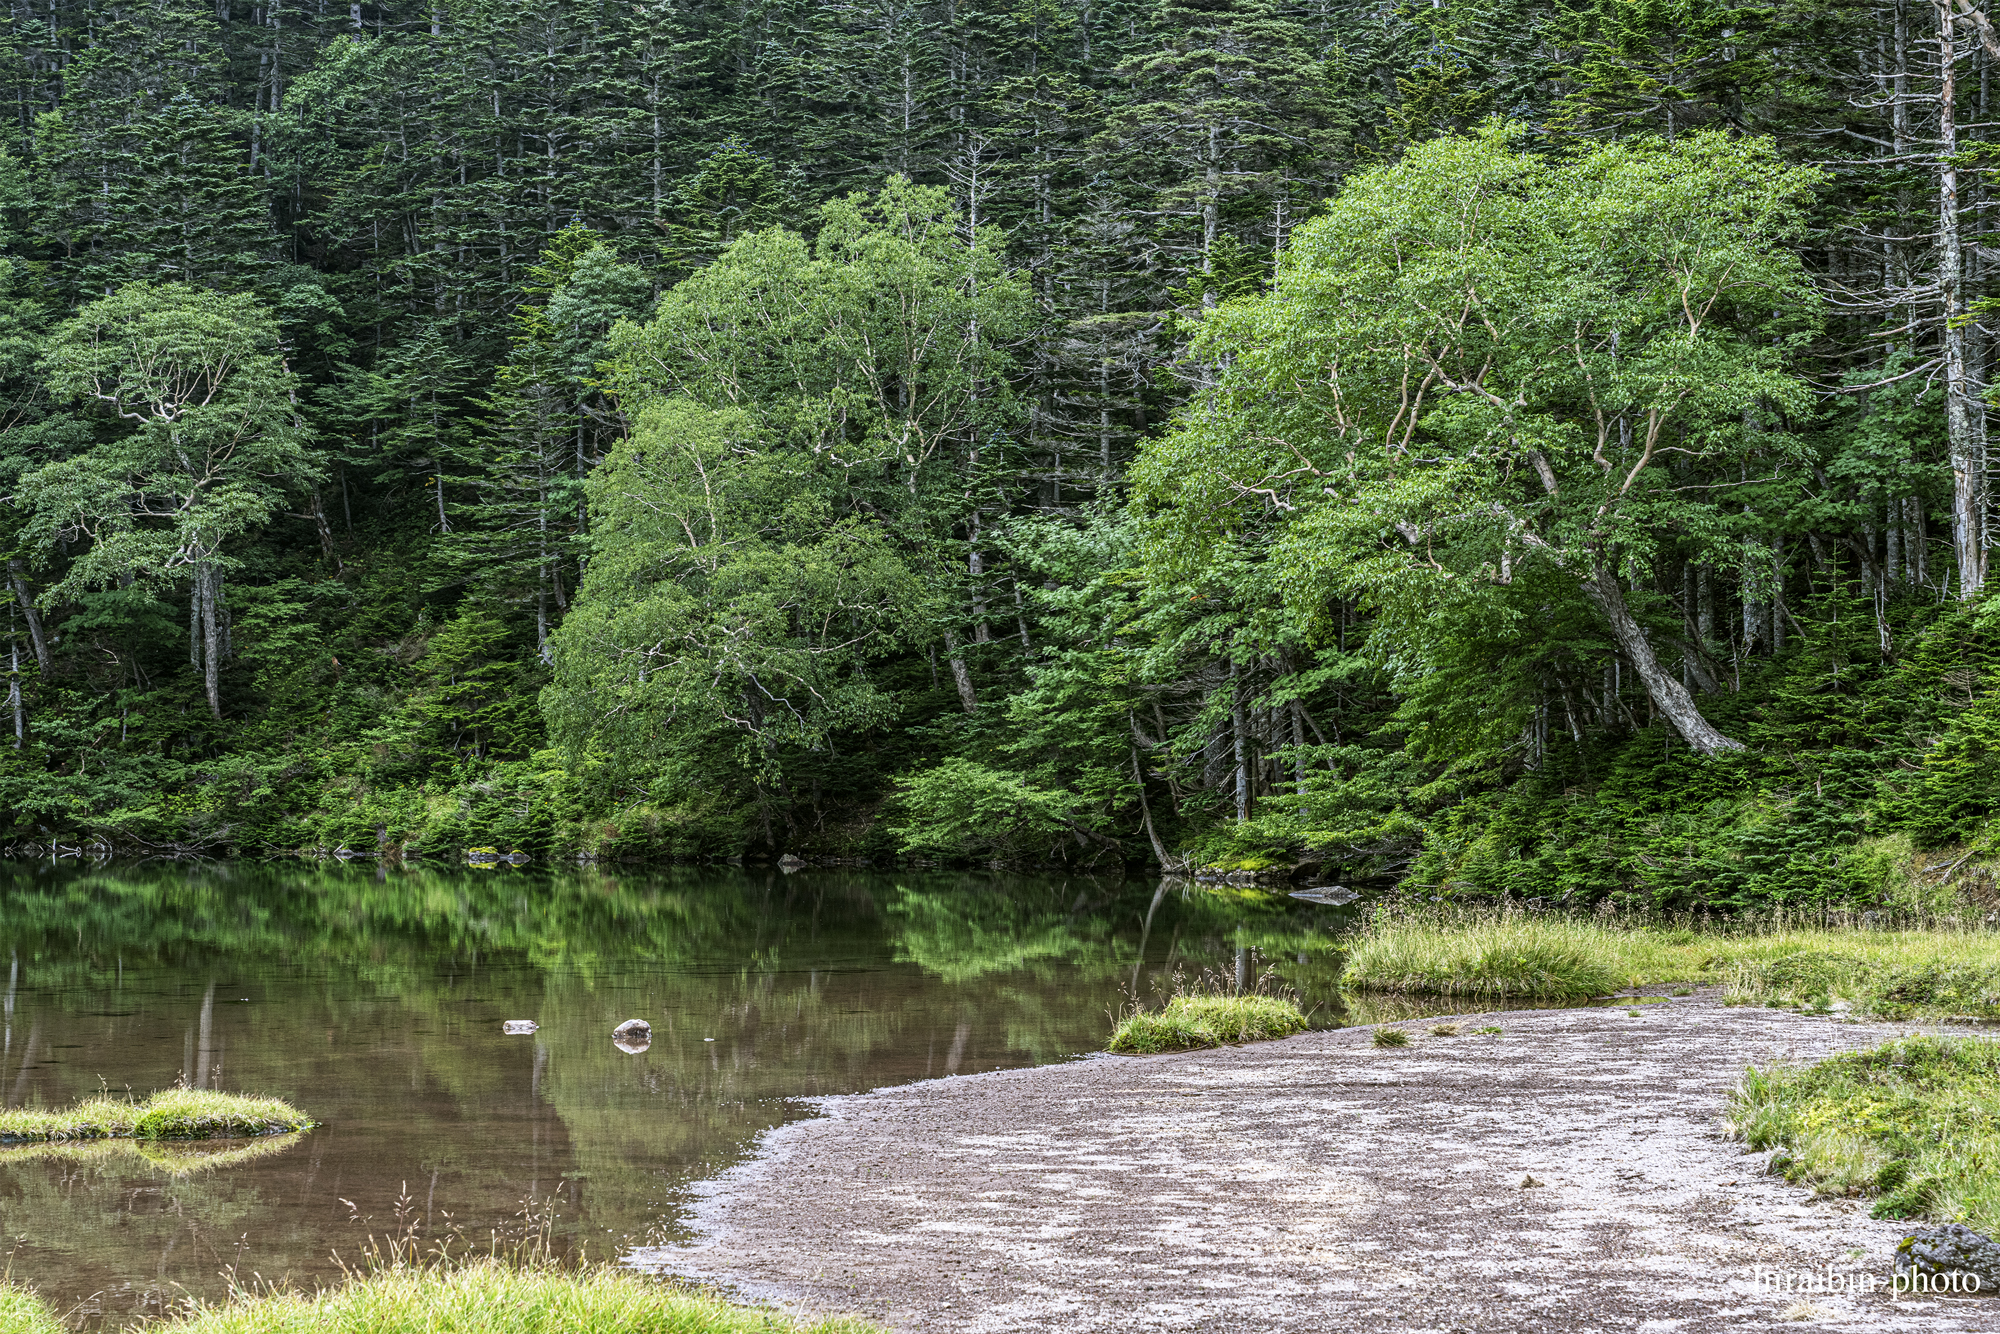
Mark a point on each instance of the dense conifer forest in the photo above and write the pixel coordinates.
(1485, 446)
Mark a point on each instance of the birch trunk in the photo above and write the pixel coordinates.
(14, 695)
(208, 580)
(1668, 694)
(961, 675)
(33, 617)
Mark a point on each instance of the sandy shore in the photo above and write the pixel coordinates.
(1318, 1183)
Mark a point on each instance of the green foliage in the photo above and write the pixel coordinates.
(1456, 399)
(1897, 987)
(963, 806)
(731, 612)
(1459, 350)
(203, 436)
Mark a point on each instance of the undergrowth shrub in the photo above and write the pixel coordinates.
(1856, 765)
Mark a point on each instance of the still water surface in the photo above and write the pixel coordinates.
(375, 1001)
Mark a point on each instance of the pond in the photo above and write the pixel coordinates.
(376, 998)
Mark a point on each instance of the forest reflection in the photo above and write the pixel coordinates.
(375, 1001)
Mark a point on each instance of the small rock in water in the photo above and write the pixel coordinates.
(633, 1036)
(1952, 1258)
(788, 863)
(519, 1026)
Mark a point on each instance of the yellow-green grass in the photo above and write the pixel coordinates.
(1207, 1021)
(1915, 1122)
(491, 1297)
(178, 1113)
(21, 1313)
(1497, 955)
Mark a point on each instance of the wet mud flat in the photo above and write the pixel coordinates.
(1321, 1183)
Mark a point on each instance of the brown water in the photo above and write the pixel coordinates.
(374, 1000)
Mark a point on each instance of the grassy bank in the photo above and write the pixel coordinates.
(1915, 1123)
(1186, 1022)
(1490, 955)
(482, 1295)
(170, 1114)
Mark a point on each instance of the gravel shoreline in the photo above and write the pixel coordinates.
(1318, 1183)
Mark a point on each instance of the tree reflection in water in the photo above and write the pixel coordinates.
(376, 1002)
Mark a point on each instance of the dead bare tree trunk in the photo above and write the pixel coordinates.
(1968, 461)
(325, 531)
(1239, 751)
(1145, 809)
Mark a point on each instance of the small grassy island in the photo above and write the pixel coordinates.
(178, 1113)
(1207, 1021)
(485, 1295)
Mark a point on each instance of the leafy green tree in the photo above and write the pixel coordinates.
(1479, 364)
(729, 612)
(203, 441)
(875, 357)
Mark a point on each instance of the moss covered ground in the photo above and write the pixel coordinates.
(1914, 1123)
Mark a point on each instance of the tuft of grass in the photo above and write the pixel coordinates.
(22, 1313)
(1491, 1030)
(492, 1297)
(1207, 1021)
(1915, 1122)
(1391, 1037)
(178, 1113)
(1444, 1030)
